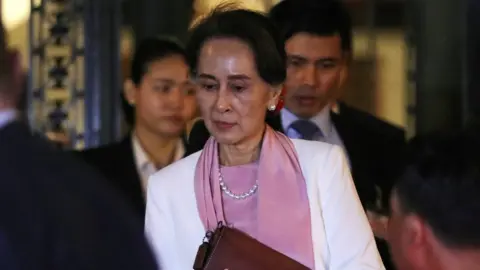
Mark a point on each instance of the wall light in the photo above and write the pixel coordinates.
(15, 13)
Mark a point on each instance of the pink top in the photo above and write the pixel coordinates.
(241, 214)
(281, 186)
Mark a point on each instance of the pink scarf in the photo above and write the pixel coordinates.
(283, 207)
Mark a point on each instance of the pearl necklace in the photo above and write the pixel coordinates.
(241, 196)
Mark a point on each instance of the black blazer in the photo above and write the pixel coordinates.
(117, 163)
(376, 149)
(56, 212)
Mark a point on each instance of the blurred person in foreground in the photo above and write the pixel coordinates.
(54, 214)
(435, 221)
(294, 196)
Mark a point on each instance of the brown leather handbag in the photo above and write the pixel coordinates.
(230, 249)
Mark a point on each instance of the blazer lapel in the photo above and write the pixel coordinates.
(346, 134)
(350, 141)
(128, 157)
(354, 142)
(129, 174)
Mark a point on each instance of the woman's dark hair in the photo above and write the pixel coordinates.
(250, 27)
(148, 51)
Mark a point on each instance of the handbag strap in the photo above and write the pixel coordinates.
(204, 250)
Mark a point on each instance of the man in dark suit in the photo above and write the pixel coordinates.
(318, 43)
(55, 213)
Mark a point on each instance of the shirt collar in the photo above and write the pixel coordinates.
(7, 116)
(141, 157)
(322, 119)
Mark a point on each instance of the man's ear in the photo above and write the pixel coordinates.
(417, 240)
(415, 231)
(343, 76)
(347, 61)
(129, 92)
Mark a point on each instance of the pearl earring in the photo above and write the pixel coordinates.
(272, 108)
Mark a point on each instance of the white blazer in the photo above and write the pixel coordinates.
(342, 238)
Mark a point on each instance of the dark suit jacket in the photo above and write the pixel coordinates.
(55, 212)
(117, 163)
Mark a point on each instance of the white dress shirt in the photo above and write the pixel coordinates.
(342, 237)
(145, 166)
(7, 116)
(324, 122)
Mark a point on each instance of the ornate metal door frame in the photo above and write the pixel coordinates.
(74, 77)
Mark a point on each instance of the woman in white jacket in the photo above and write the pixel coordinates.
(294, 196)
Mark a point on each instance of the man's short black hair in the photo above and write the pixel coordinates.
(442, 186)
(317, 17)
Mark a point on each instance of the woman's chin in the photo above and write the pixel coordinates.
(226, 139)
(171, 131)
